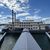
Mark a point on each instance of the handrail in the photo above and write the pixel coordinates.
(3, 36)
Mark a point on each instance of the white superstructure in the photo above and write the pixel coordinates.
(30, 24)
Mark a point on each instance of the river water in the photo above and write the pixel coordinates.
(42, 40)
(9, 42)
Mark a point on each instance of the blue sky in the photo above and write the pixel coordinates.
(36, 9)
(43, 5)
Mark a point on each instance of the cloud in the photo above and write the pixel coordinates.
(1, 5)
(12, 4)
(0, 16)
(5, 19)
(20, 6)
(46, 20)
(29, 18)
(24, 1)
(36, 11)
(22, 14)
(35, 17)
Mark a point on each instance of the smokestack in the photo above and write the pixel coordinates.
(13, 18)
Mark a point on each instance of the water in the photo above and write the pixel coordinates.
(43, 41)
(9, 42)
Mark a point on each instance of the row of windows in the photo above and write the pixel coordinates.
(27, 23)
(29, 27)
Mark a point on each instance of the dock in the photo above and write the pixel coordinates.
(26, 42)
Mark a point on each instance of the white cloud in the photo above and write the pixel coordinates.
(5, 19)
(0, 16)
(29, 18)
(1, 5)
(22, 14)
(35, 17)
(12, 4)
(24, 1)
(36, 11)
(46, 20)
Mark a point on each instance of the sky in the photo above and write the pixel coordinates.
(38, 10)
(42, 5)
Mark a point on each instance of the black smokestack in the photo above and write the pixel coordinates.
(13, 18)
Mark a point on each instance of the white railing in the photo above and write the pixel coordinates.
(2, 36)
(48, 35)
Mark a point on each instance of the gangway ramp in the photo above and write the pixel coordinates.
(26, 42)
